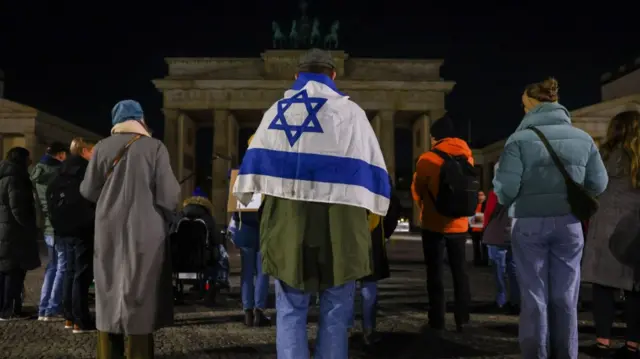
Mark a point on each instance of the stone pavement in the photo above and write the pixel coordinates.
(202, 332)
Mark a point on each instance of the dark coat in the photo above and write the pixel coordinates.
(619, 199)
(379, 236)
(18, 231)
(83, 211)
(195, 210)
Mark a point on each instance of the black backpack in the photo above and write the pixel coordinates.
(69, 212)
(458, 189)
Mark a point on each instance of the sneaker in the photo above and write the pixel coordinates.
(68, 324)
(78, 330)
(625, 352)
(41, 318)
(599, 350)
(52, 318)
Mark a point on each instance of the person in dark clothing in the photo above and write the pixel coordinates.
(381, 229)
(18, 231)
(72, 218)
(198, 206)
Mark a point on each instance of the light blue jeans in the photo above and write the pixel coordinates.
(254, 294)
(336, 313)
(51, 294)
(501, 258)
(547, 253)
(369, 297)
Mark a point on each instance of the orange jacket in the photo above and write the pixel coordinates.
(427, 178)
(478, 210)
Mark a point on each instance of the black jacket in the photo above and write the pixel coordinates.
(379, 235)
(83, 216)
(200, 212)
(18, 231)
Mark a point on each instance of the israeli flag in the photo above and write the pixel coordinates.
(316, 145)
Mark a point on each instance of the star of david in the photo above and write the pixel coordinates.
(310, 123)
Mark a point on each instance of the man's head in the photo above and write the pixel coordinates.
(83, 148)
(58, 150)
(19, 156)
(443, 128)
(481, 197)
(317, 61)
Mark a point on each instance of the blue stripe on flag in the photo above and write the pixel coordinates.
(316, 168)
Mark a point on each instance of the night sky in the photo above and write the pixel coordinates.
(77, 59)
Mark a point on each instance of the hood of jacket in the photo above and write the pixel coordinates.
(545, 114)
(10, 169)
(197, 201)
(45, 170)
(453, 146)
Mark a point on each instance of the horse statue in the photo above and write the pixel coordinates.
(293, 34)
(278, 36)
(315, 33)
(331, 40)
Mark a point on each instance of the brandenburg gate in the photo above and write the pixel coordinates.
(232, 93)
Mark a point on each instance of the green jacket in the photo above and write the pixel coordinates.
(314, 246)
(41, 175)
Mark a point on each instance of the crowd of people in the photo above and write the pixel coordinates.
(320, 230)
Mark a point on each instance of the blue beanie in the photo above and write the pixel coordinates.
(126, 110)
(199, 193)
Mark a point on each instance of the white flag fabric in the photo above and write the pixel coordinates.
(316, 145)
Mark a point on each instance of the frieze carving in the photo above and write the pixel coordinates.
(263, 98)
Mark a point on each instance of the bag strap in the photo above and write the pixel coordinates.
(121, 153)
(556, 160)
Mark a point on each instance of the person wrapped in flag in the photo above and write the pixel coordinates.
(317, 161)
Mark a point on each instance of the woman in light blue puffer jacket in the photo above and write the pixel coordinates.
(547, 240)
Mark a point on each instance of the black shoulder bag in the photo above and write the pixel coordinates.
(583, 205)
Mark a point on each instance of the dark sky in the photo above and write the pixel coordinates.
(77, 59)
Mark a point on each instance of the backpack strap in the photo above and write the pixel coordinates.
(445, 156)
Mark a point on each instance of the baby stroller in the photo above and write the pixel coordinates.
(192, 256)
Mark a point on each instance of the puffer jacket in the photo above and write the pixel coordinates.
(41, 175)
(528, 181)
(18, 246)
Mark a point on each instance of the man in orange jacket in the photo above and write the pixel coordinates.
(440, 232)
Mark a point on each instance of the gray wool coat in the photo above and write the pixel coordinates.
(131, 265)
(599, 265)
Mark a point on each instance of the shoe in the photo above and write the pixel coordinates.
(41, 319)
(68, 324)
(624, 352)
(52, 318)
(371, 337)
(78, 330)
(259, 319)
(248, 317)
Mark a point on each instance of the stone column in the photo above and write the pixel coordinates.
(171, 123)
(220, 170)
(384, 128)
(186, 154)
(421, 143)
(232, 135)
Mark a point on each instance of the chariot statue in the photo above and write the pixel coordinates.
(316, 37)
(331, 40)
(278, 36)
(293, 35)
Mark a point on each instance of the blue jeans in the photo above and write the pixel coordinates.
(336, 312)
(369, 295)
(547, 253)
(254, 295)
(501, 258)
(51, 294)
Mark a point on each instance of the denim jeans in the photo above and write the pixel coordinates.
(369, 297)
(51, 294)
(254, 294)
(336, 313)
(501, 258)
(547, 253)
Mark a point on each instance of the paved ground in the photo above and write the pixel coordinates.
(202, 332)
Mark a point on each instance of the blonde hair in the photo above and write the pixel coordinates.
(624, 132)
(545, 91)
(78, 144)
